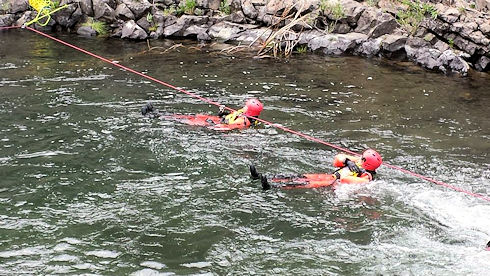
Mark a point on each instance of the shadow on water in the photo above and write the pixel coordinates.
(91, 186)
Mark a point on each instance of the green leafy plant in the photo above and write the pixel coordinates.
(450, 41)
(415, 12)
(323, 5)
(54, 4)
(428, 37)
(188, 7)
(4, 7)
(169, 11)
(334, 9)
(302, 49)
(372, 3)
(149, 18)
(224, 7)
(99, 26)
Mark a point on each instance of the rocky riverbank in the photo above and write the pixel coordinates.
(442, 35)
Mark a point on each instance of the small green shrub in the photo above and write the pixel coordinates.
(170, 11)
(334, 9)
(4, 7)
(224, 7)
(99, 26)
(188, 7)
(450, 41)
(372, 3)
(412, 16)
(54, 4)
(302, 49)
(149, 18)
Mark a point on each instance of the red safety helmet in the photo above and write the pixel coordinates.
(371, 160)
(253, 107)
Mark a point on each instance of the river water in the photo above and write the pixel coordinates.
(90, 186)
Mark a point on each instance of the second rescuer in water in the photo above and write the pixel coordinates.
(351, 169)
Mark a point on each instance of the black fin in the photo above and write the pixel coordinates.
(253, 172)
(265, 183)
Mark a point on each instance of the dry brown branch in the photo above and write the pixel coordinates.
(173, 47)
(283, 39)
(233, 49)
(152, 48)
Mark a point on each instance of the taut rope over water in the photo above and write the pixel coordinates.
(308, 137)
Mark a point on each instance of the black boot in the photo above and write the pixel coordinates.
(265, 183)
(253, 172)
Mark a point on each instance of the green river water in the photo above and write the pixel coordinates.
(90, 186)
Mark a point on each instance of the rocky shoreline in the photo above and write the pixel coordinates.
(440, 35)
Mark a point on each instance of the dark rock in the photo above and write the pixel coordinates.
(122, 11)
(18, 6)
(133, 31)
(103, 10)
(369, 47)
(236, 17)
(86, 31)
(6, 20)
(333, 44)
(139, 9)
(393, 43)
(69, 16)
(249, 9)
(144, 24)
(386, 24)
(483, 64)
(352, 11)
(86, 6)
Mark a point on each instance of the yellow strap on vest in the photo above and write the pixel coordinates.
(232, 117)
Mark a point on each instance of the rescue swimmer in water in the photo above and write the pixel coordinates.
(225, 120)
(351, 170)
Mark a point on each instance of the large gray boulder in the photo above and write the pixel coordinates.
(133, 31)
(122, 11)
(104, 10)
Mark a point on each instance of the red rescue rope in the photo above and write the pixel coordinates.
(9, 27)
(311, 138)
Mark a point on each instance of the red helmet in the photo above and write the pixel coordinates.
(253, 107)
(371, 160)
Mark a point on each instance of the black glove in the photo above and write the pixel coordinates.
(147, 108)
(352, 166)
(222, 112)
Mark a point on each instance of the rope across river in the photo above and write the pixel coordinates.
(306, 136)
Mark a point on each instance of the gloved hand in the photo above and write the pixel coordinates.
(352, 166)
(222, 112)
(147, 108)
